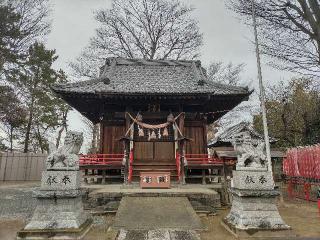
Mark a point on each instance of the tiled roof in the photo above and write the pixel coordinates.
(139, 76)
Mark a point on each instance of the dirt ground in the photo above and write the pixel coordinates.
(302, 216)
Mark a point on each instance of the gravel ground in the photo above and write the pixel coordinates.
(16, 201)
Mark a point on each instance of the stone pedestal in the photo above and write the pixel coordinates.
(59, 213)
(254, 210)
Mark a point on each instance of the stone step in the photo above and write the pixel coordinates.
(150, 163)
(159, 234)
(154, 169)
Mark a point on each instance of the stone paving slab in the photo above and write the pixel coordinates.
(158, 235)
(153, 213)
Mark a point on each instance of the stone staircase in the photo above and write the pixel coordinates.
(167, 166)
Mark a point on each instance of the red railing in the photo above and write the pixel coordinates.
(203, 159)
(101, 159)
(300, 188)
(130, 166)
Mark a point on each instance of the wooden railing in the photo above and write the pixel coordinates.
(113, 159)
(202, 159)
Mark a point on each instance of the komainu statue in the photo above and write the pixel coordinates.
(250, 153)
(66, 156)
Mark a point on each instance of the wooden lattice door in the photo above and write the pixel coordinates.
(154, 152)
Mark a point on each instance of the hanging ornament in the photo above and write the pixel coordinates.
(141, 132)
(165, 132)
(153, 135)
(139, 117)
(149, 135)
(170, 118)
(159, 133)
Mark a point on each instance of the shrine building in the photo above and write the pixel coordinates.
(153, 117)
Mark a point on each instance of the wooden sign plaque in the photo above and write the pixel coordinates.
(155, 180)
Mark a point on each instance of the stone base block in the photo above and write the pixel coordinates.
(255, 212)
(36, 234)
(60, 213)
(259, 234)
(246, 180)
(60, 180)
(55, 194)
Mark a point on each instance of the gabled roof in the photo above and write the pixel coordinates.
(227, 135)
(140, 76)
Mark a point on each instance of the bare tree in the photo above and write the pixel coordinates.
(34, 23)
(289, 31)
(28, 23)
(229, 74)
(149, 29)
(225, 73)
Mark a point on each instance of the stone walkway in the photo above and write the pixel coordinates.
(158, 235)
(153, 213)
(157, 218)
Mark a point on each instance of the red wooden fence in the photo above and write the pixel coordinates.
(206, 159)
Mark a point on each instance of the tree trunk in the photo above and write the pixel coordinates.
(59, 137)
(11, 139)
(64, 126)
(28, 130)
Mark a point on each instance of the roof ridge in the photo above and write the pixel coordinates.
(141, 61)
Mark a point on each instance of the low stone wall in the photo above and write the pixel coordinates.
(104, 201)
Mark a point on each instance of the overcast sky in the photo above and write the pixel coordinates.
(225, 37)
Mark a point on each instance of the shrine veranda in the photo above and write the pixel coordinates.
(153, 117)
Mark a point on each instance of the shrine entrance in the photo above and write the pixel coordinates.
(154, 148)
(154, 152)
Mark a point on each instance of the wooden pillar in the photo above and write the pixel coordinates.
(182, 145)
(126, 143)
(104, 173)
(205, 132)
(203, 176)
(101, 142)
(182, 158)
(85, 175)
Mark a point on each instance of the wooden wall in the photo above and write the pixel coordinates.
(196, 131)
(111, 135)
(21, 166)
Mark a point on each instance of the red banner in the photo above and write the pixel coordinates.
(303, 162)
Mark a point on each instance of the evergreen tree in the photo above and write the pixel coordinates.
(12, 114)
(293, 113)
(43, 108)
(9, 33)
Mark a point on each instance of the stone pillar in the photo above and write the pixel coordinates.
(59, 213)
(254, 212)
